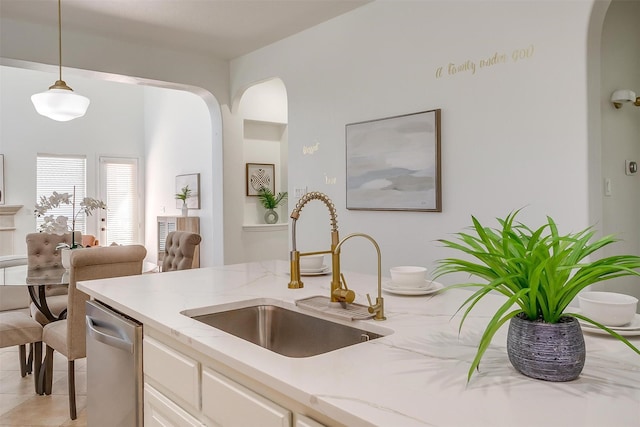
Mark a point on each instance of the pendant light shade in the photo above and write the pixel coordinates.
(60, 103)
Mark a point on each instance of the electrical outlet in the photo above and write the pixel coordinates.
(299, 192)
(630, 167)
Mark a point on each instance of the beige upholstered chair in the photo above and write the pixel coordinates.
(42, 253)
(179, 250)
(18, 328)
(68, 336)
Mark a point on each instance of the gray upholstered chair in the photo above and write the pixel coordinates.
(42, 253)
(179, 250)
(68, 336)
(18, 328)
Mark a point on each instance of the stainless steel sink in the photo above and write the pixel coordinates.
(286, 332)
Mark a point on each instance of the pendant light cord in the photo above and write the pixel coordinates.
(59, 41)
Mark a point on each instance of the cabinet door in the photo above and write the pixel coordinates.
(230, 404)
(175, 371)
(302, 421)
(160, 411)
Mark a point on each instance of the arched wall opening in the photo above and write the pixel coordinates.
(158, 180)
(614, 63)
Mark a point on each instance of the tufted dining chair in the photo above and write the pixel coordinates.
(18, 328)
(42, 253)
(68, 336)
(180, 250)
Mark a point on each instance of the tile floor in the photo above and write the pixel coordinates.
(20, 406)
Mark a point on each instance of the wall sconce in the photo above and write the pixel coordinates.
(623, 96)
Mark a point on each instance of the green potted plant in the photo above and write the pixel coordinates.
(270, 202)
(184, 194)
(540, 272)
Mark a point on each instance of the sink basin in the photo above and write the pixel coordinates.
(283, 331)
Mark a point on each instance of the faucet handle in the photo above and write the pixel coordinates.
(343, 293)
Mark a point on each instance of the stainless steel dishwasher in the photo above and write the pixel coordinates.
(114, 368)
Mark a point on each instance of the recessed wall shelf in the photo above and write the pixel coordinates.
(265, 227)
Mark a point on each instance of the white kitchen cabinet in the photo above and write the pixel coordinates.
(230, 404)
(174, 371)
(184, 387)
(302, 421)
(159, 411)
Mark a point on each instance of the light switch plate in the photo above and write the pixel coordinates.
(299, 192)
(630, 167)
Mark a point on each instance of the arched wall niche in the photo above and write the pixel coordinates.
(263, 110)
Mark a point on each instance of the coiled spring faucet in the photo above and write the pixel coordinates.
(339, 290)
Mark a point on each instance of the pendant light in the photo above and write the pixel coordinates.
(60, 103)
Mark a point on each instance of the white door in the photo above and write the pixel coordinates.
(120, 223)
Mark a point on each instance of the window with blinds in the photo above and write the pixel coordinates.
(119, 177)
(62, 174)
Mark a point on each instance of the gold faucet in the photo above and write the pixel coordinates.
(339, 292)
(376, 309)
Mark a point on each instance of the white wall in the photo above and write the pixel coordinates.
(620, 59)
(113, 126)
(508, 140)
(178, 141)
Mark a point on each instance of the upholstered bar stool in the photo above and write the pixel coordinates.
(18, 328)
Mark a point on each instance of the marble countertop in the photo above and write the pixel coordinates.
(415, 376)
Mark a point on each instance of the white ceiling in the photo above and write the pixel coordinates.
(222, 28)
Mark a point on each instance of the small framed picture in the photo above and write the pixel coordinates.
(260, 175)
(192, 183)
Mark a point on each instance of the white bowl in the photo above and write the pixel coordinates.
(608, 308)
(408, 276)
(311, 262)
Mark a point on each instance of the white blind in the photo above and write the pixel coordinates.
(120, 180)
(61, 174)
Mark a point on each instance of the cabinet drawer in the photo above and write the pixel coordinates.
(173, 370)
(230, 404)
(160, 411)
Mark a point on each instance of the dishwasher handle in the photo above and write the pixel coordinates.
(120, 342)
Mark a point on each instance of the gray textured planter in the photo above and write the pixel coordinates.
(546, 351)
(271, 216)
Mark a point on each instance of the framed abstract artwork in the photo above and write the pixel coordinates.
(393, 164)
(260, 175)
(193, 182)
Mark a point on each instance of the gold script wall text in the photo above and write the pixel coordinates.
(471, 66)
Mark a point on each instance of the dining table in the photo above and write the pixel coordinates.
(37, 280)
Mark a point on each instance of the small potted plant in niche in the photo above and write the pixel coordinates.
(270, 202)
(184, 194)
(540, 272)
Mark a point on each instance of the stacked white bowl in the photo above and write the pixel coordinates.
(409, 277)
(608, 308)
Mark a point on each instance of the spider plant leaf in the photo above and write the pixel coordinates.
(605, 328)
